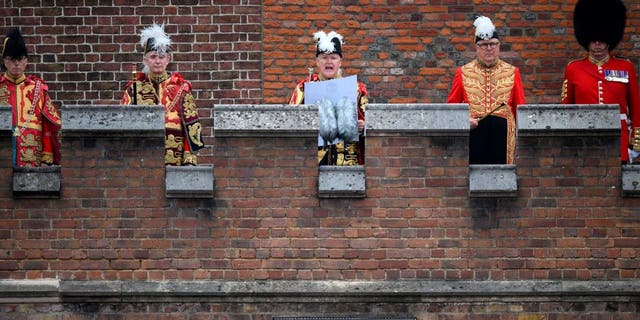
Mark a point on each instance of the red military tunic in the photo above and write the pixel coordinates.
(297, 98)
(485, 89)
(613, 81)
(183, 132)
(36, 121)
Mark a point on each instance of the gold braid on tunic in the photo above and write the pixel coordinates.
(487, 88)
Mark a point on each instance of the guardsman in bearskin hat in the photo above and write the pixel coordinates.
(601, 78)
(36, 121)
(155, 86)
(328, 62)
(493, 89)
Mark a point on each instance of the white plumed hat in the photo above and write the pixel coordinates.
(328, 43)
(485, 29)
(154, 38)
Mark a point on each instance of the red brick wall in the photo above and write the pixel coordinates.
(569, 221)
(405, 51)
(86, 52)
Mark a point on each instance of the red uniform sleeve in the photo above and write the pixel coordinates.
(633, 98)
(51, 125)
(457, 94)
(567, 95)
(517, 93)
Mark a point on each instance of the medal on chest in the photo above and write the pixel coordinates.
(616, 75)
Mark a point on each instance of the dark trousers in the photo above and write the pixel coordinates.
(488, 142)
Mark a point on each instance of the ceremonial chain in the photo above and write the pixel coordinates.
(18, 131)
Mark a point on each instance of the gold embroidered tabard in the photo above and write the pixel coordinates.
(488, 88)
(183, 132)
(36, 122)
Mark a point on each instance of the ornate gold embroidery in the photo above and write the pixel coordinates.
(565, 85)
(190, 158)
(29, 140)
(159, 78)
(195, 133)
(147, 94)
(28, 155)
(174, 142)
(170, 158)
(53, 112)
(47, 157)
(488, 88)
(4, 95)
(189, 106)
(363, 103)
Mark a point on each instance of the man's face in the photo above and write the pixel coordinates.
(488, 51)
(328, 64)
(157, 62)
(598, 49)
(15, 66)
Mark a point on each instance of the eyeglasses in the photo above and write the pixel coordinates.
(488, 45)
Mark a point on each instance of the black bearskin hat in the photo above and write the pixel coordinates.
(13, 45)
(599, 20)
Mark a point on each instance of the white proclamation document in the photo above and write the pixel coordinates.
(333, 90)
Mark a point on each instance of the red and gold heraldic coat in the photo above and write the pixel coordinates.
(613, 82)
(183, 131)
(485, 89)
(297, 98)
(36, 121)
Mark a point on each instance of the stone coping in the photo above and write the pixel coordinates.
(382, 119)
(177, 290)
(267, 120)
(104, 120)
(435, 119)
(112, 121)
(296, 121)
(568, 119)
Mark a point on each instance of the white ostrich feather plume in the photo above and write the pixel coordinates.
(324, 40)
(347, 119)
(484, 28)
(162, 42)
(328, 127)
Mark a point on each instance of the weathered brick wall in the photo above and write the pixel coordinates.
(417, 225)
(407, 51)
(568, 222)
(85, 50)
(254, 51)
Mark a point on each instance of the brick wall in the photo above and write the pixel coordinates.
(112, 222)
(86, 51)
(266, 245)
(407, 51)
(254, 51)
(569, 220)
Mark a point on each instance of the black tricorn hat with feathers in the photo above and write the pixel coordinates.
(13, 45)
(599, 20)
